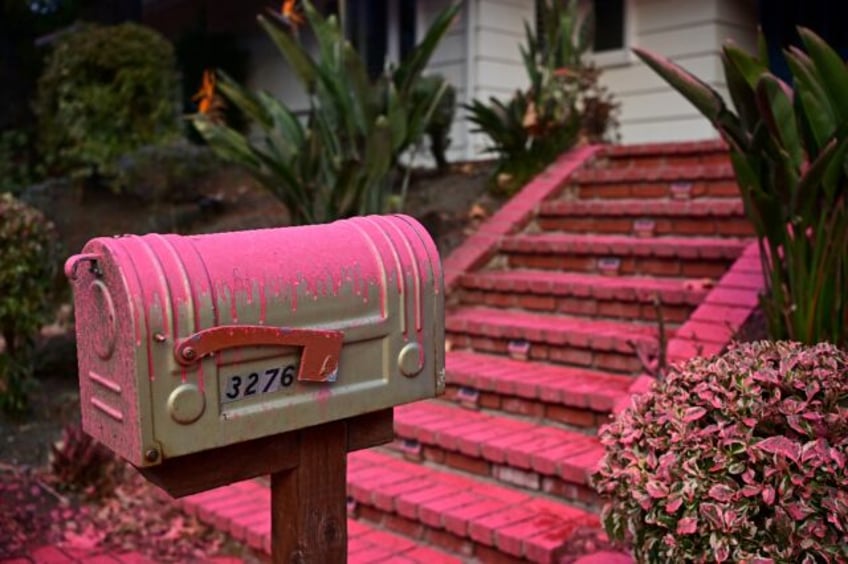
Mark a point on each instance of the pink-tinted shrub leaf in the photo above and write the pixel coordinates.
(720, 492)
(780, 445)
(694, 413)
(672, 505)
(838, 457)
(687, 525)
(656, 490)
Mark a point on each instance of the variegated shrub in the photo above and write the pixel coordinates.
(740, 457)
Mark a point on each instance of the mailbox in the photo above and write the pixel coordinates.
(189, 343)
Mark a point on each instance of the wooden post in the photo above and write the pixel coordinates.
(308, 471)
(309, 502)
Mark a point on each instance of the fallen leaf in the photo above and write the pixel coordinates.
(477, 212)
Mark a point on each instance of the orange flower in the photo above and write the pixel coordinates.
(206, 94)
(291, 12)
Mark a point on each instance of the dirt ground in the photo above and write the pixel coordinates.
(35, 507)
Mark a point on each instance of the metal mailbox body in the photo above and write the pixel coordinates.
(188, 343)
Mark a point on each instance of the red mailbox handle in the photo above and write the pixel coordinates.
(318, 363)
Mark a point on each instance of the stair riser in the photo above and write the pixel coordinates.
(580, 495)
(477, 545)
(678, 226)
(572, 305)
(650, 266)
(658, 161)
(652, 190)
(586, 420)
(607, 360)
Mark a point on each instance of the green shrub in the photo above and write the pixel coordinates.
(790, 153)
(104, 92)
(18, 168)
(28, 258)
(563, 102)
(339, 162)
(741, 457)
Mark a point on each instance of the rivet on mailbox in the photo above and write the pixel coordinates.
(191, 343)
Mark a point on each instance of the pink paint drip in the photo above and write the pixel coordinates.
(263, 305)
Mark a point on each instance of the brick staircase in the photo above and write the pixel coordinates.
(552, 315)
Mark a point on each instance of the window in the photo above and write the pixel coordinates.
(381, 30)
(609, 26)
(610, 44)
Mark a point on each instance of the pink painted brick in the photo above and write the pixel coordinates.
(541, 440)
(728, 296)
(257, 520)
(641, 384)
(472, 444)
(407, 503)
(426, 555)
(370, 554)
(391, 542)
(259, 534)
(457, 519)
(577, 469)
(548, 462)
(431, 512)
(384, 497)
(742, 280)
(495, 450)
(716, 313)
(700, 331)
(483, 529)
(686, 349)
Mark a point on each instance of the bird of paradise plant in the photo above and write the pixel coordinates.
(208, 101)
(562, 102)
(292, 12)
(338, 161)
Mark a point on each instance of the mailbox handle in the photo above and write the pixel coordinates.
(319, 361)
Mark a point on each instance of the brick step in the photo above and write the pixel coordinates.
(243, 510)
(693, 257)
(573, 293)
(676, 182)
(713, 152)
(600, 344)
(572, 396)
(464, 516)
(512, 451)
(647, 218)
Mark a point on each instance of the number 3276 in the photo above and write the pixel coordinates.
(270, 380)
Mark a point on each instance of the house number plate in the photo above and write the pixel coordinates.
(248, 383)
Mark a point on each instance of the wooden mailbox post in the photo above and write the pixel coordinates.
(206, 360)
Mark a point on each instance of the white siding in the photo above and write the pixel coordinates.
(269, 71)
(691, 33)
(450, 60)
(497, 69)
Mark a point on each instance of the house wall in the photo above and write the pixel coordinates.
(691, 33)
(268, 70)
(451, 61)
(497, 70)
(480, 56)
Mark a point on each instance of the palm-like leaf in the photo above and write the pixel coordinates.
(789, 150)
